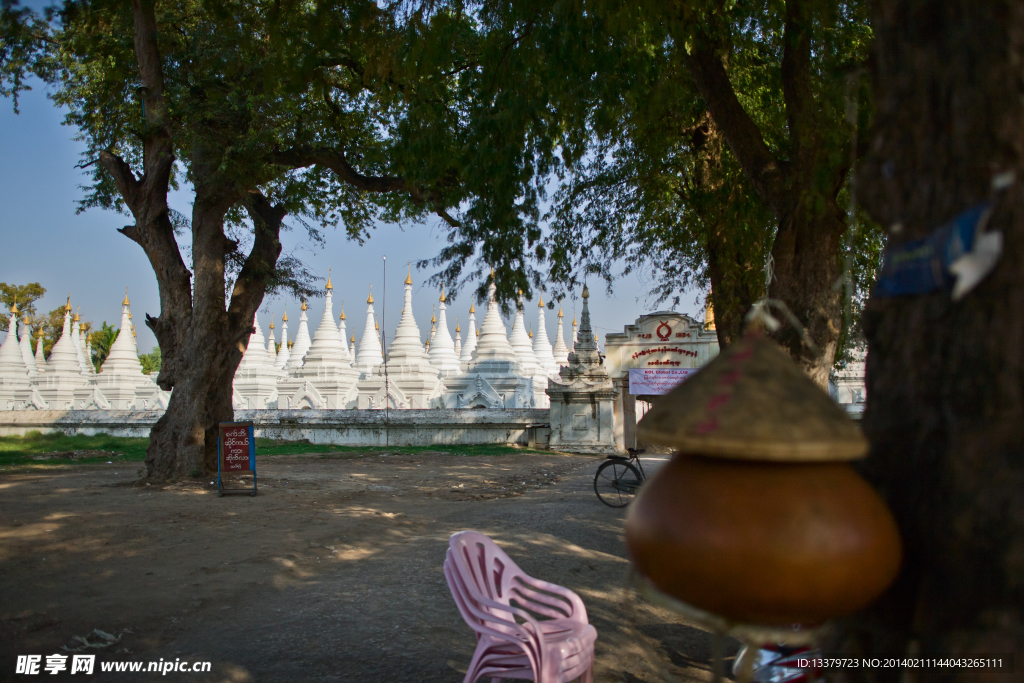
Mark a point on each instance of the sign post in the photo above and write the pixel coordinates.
(236, 453)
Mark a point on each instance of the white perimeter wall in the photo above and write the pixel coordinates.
(526, 427)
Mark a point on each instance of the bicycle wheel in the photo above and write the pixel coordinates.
(616, 483)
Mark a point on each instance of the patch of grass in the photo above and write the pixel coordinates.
(27, 449)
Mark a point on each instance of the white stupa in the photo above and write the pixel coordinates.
(410, 381)
(88, 354)
(15, 384)
(25, 344)
(40, 357)
(466, 355)
(63, 372)
(256, 355)
(522, 344)
(272, 343)
(542, 349)
(491, 379)
(302, 343)
(370, 353)
(328, 351)
(343, 332)
(442, 348)
(255, 384)
(326, 378)
(284, 352)
(121, 379)
(560, 352)
(78, 337)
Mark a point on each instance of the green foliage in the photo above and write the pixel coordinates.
(22, 48)
(102, 339)
(24, 296)
(151, 361)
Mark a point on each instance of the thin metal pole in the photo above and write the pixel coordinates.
(384, 348)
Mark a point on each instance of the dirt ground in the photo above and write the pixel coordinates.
(332, 573)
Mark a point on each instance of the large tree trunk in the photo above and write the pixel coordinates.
(945, 379)
(806, 266)
(207, 350)
(183, 443)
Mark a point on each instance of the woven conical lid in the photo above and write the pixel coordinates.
(753, 403)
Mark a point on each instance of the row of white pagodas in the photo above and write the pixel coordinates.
(67, 380)
(322, 372)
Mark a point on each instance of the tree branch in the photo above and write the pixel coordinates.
(259, 265)
(301, 157)
(766, 173)
(797, 90)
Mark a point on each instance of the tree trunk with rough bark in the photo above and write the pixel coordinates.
(806, 265)
(205, 351)
(945, 379)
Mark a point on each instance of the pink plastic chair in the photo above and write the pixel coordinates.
(544, 636)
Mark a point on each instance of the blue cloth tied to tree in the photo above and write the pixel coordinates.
(922, 266)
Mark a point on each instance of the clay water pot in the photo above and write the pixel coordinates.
(764, 542)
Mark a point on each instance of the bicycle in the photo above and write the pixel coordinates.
(617, 479)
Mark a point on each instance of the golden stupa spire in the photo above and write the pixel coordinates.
(472, 308)
(408, 278)
(14, 309)
(304, 306)
(125, 302)
(77, 316)
(369, 299)
(67, 306)
(531, 331)
(709, 317)
(586, 292)
(442, 299)
(329, 286)
(284, 318)
(560, 312)
(342, 316)
(271, 321)
(39, 333)
(457, 328)
(541, 304)
(353, 339)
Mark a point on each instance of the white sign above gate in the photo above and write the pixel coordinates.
(661, 340)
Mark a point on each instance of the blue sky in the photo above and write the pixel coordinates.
(43, 240)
